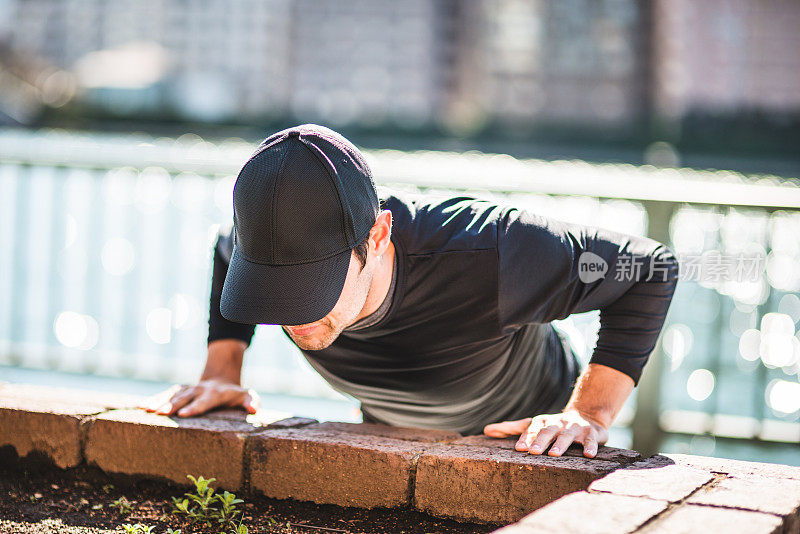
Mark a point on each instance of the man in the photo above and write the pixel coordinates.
(432, 313)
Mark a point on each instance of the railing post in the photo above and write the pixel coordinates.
(647, 433)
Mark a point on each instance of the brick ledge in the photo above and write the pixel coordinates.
(468, 478)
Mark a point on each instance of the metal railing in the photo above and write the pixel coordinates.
(108, 266)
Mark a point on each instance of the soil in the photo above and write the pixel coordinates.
(38, 497)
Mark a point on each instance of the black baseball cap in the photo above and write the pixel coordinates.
(301, 203)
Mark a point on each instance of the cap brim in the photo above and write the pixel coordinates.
(255, 293)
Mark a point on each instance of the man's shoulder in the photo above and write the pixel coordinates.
(431, 223)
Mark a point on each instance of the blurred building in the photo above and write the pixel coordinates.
(565, 62)
(207, 59)
(223, 59)
(725, 55)
(464, 64)
(368, 62)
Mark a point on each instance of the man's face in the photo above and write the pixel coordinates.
(320, 334)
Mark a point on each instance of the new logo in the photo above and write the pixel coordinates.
(591, 267)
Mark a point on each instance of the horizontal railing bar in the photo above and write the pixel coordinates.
(450, 170)
(728, 426)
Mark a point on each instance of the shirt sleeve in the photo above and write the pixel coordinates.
(550, 269)
(218, 326)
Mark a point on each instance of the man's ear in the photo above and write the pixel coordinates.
(381, 232)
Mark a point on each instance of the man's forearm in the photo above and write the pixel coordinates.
(600, 392)
(224, 362)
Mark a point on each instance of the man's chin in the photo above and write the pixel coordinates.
(310, 343)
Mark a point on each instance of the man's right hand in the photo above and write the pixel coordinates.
(219, 385)
(206, 395)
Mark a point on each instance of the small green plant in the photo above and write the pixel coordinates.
(123, 505)
(205, 506)
(137, 528)
(170, 531)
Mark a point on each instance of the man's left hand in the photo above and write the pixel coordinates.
(537, 433)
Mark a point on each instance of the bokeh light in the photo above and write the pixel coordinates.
(778, 344)
(159, 325)
(677, 343)
(152, 189)
(790, 305)
(783, 396)
(118, 256)
(700, 384)
(750, 344)
(76, 331)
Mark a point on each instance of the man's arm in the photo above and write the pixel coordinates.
(542, 279)
(220, 383)
(597, 398)
(599, 393)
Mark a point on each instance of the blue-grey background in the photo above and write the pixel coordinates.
(124, 124)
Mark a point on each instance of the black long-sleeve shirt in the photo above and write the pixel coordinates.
(466, 340)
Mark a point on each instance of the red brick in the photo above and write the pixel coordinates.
(292, 422)
(135, 442)
(592, 513)
(79, 397)
(35, 420)
(497, 485)
(691, 519)
(759, 494)
(652, 478)
(612, 454)
(387, 431)
(262, 418)
(514, 528)
(54, 435)
(327, 466)
(735, 467)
